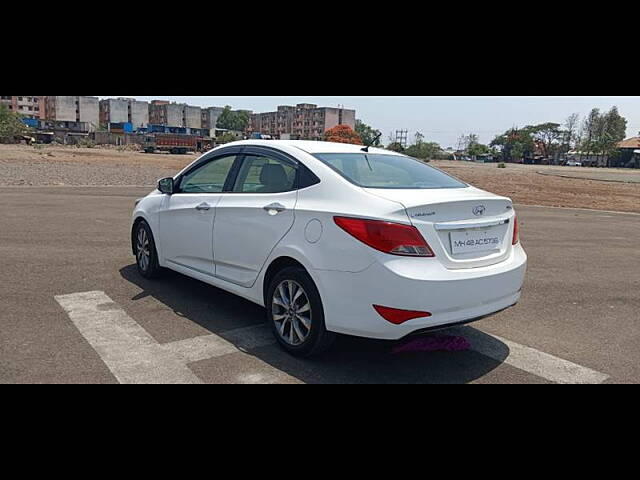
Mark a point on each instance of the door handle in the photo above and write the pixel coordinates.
(277, 207)
(203, 206)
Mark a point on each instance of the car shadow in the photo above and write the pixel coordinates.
(351, 359)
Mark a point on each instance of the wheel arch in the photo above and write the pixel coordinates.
(136, 221)
(276, 265)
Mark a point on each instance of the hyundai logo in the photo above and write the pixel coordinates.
(479, 210)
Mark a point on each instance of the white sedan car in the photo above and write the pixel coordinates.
(334, 238)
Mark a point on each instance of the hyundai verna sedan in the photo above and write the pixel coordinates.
(334, 239)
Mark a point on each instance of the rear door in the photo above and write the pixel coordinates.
(186, 219)
(255, 215)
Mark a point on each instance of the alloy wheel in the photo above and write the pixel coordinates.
(143, 252)
(291, 311)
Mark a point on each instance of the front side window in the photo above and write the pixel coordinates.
(210, 178)
(374, 170)
(260, 174)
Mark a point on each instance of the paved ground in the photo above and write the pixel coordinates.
(578, 319)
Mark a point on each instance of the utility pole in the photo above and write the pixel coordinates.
(401, 137)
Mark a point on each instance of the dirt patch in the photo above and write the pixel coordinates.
(66, 165)
(524, 185)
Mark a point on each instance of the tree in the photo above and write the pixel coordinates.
(464, 141)
(570, 134)
(226, 138)
(10, 125)
(611, 131)
(395, 147)
(515, 144)
(546, 136)
(342, 134)
(589, 127)
(237, 120)
(476, 149)
(424, 150)
(367, 134)
(601, 133)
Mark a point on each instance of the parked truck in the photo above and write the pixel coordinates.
(173, 143)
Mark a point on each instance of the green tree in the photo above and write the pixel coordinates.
(425, 151)
(546, 136)
(514, 144)
(10, 125)
(237, 120)
(395, 147)
(226, 138)
(602, 133)
(367, 133)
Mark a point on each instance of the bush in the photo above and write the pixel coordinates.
(85, 143)
(502, 165)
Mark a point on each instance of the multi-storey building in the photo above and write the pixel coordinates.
(162, 112)
(210, 119)
(73, 109)
(304, 121)
(192, 117)
(124, 110)
(30, 107)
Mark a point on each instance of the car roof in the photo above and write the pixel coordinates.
(312, 147)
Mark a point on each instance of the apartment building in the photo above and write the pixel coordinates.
(28, 106)
(73, 109)
(124, 110)
(210, 117)
(162, 112)
(304, 121)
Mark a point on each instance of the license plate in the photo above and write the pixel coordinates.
(474, 241)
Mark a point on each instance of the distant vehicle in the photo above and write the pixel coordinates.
(172, 143)
(333, 239)
(573, 163)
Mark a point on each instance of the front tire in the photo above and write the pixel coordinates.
(295, 313)
(145, 250)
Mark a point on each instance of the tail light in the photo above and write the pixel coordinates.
(516, 232)
(398, 316)
(388, 237)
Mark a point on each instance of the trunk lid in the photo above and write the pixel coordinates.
(465, 227)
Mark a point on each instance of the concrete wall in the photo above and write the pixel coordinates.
(349, 118)
(89, 111)
(139, 114)
(64, 109)
(192, 116)
(174, 115)
(118, 110)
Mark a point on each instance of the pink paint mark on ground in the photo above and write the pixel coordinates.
(449, 343)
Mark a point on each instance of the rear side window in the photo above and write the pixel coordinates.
(260, 174)
(374, 170)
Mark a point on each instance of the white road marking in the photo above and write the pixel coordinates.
(530, 360)
(210, 346)
(134, 356)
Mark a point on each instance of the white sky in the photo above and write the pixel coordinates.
(440, 119)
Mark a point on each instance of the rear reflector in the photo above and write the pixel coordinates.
(516, 231)
(388, 237)
(398, 316)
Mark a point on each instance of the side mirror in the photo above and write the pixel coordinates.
(166, 185)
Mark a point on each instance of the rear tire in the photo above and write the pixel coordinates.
(145, 251)
(298, 325)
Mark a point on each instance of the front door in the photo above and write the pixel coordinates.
(253, 217)
(186, 219)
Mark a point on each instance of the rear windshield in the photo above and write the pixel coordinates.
(374, 170)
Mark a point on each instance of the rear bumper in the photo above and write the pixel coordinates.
(451, 296)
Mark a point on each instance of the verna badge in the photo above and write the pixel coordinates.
(479, 210)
